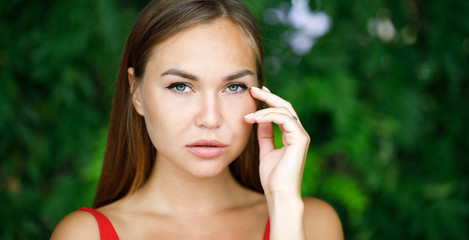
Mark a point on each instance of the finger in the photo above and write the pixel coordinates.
(290, 129)
(271, 99)
(252, 116)
(265, 135)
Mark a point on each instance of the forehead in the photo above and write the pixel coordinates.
(220, 43)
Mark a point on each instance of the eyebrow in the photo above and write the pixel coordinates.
(179, 73)
(189, 76)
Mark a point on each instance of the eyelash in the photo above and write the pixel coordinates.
(176, 84)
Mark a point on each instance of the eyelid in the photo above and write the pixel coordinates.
(174, 84)
(242, 85)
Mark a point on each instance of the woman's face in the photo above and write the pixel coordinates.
(194, 96)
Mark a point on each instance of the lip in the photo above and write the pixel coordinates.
(206, 148)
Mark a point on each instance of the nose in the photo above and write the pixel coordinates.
(209, 112)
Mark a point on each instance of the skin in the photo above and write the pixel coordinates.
(189, 197)
(210, 105)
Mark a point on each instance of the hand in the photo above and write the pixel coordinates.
(280, 170)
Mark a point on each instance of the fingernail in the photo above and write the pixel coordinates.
(255, 88)
(259, 117)
(265, 88)
(249, 115)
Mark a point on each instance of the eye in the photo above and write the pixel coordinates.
(179, 87)
(236, 88)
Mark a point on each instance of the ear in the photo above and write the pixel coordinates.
(135, 91)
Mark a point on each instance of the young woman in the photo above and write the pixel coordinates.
(190, 152)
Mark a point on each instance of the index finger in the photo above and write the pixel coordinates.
(271, 99)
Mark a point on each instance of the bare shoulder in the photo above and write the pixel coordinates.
(321, 220)
(77, 225)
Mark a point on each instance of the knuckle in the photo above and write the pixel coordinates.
(307, 137)
(286, 110)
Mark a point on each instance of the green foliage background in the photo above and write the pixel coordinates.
(388, 119)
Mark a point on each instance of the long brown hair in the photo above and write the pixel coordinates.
(129, 157)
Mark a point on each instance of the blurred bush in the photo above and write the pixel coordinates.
(384, 95)
(58, 61)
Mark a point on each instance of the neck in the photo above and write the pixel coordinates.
(173, 191)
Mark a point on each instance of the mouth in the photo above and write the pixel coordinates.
(206, 148)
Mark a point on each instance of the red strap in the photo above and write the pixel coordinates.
(106, 230)
(267, 230)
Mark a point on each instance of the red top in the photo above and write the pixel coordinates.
(107, 231)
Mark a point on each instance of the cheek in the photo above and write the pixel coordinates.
(166, 118)
(236, 109)
(240, 105)
(170, 115)
(162, 107)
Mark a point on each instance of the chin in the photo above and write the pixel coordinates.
(209, 169)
